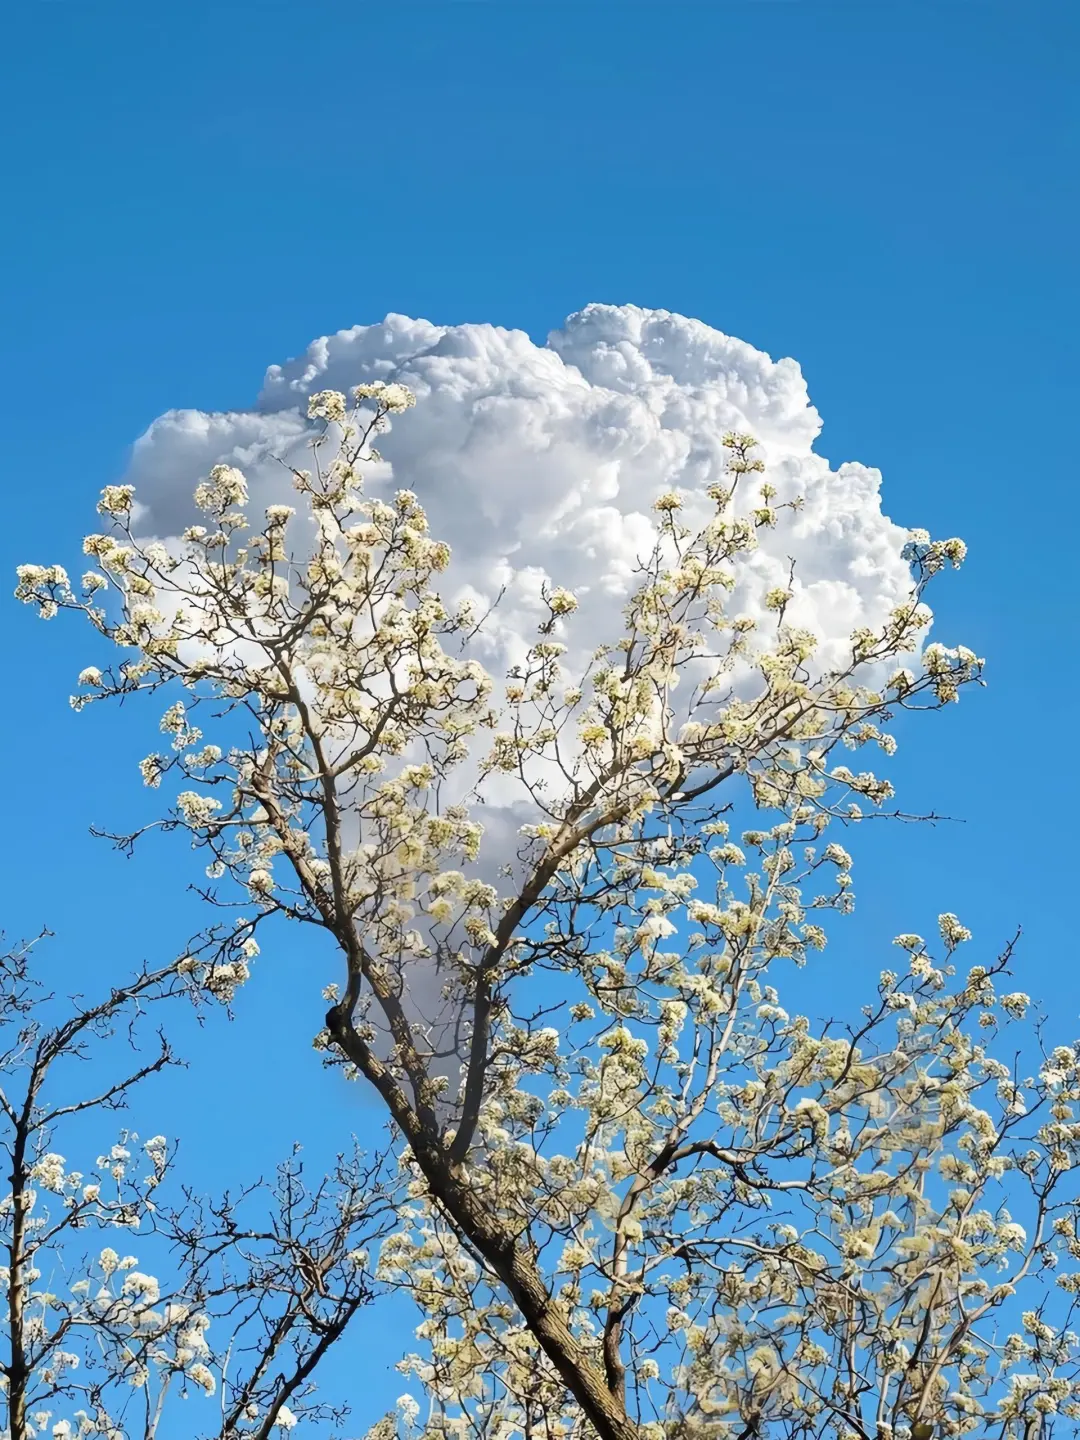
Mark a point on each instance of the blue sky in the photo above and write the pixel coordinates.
(885, 191)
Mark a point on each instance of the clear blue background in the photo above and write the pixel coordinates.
(885, 191)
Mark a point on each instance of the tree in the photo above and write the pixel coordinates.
(252, 1289)
(645, 1197)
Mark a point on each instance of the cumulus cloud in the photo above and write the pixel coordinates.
(541, 462)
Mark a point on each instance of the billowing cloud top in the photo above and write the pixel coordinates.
(541, 462)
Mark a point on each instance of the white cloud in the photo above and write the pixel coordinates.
(542, 461)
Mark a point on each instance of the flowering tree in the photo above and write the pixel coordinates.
(644, 1196)
(250, 1291)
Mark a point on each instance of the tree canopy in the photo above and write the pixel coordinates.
(641, 1197)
